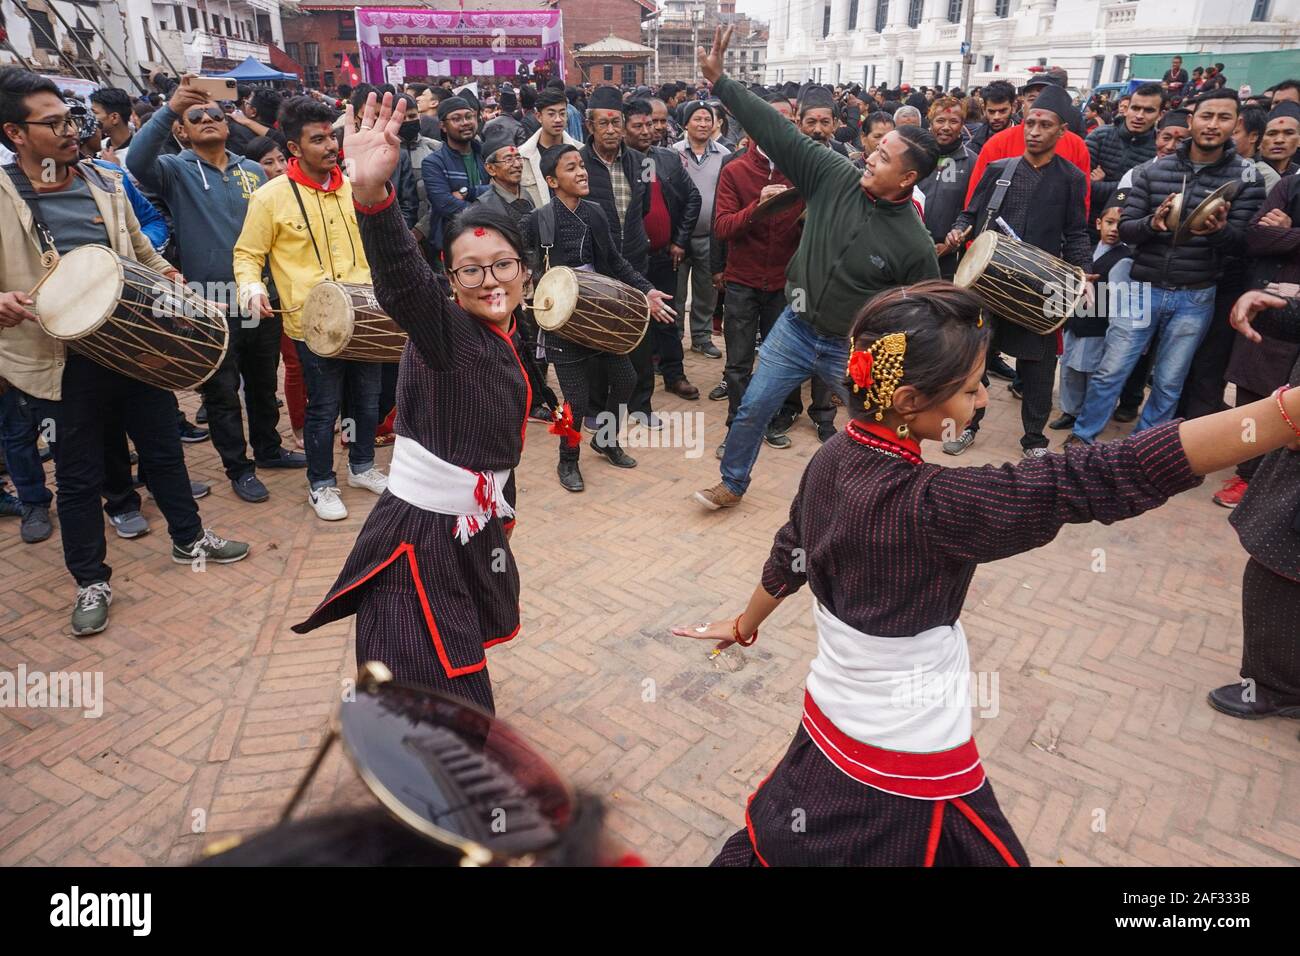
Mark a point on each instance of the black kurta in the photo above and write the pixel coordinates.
(462, 394)
(889, 545)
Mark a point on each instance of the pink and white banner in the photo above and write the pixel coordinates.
(431, 43)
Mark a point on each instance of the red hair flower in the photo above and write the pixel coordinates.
(860, 370)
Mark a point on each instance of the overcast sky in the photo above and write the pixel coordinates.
(758, 9)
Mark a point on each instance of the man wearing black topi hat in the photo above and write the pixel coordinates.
(1044, 207)
(454, 176)
(1281, 138)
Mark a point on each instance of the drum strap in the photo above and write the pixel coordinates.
(24, 187)
(307, 222)
(546, 232)
(1000, 192)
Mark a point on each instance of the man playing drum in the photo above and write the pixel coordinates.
(571, 231)
(51, 204)
(304, 222)
(1044, 206)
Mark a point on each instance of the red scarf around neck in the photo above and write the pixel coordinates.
(294, 172)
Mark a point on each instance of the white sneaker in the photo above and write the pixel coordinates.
(329, 506)
(373, 479)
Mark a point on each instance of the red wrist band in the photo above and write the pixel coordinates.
(377, 207)
(735, 633)
(1281, 407)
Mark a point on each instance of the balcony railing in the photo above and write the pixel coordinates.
(1119, 15)
(201, 44)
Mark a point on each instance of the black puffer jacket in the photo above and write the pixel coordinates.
(1197, 261)
(1116, 150)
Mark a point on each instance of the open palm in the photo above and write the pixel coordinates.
(372, 152)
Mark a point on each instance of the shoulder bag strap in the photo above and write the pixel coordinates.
(50, 254)
(1000, 192)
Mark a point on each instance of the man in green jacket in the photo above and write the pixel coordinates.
(862, 235)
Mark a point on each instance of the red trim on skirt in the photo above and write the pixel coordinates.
(922, 776)
(409, 550)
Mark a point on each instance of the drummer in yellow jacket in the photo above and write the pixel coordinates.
(50, 205)
(305, 225)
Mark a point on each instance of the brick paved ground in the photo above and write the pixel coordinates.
(1103, 750)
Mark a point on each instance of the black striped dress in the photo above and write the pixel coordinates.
(427, 605)
(890, 545)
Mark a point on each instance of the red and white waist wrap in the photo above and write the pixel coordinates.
(421, 478)
(894, 712)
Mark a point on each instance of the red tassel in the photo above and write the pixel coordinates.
(481, 496)
(562, 425)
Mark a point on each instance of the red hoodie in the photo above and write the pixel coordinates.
(756, 254)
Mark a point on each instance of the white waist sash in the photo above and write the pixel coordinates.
(909, 694)
(421, 478)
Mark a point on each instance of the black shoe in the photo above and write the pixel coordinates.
(1014, 389)
(719, 393)
(1228, 700)
(287, 459)
(776, 439)
(191, 434)
(570, 476)
(614, 455)
(250, 488)
(1062, 423)
(201, 416)
(1125, 414)
(780, 424)
(825, 430)
(997, 367)
(36, 524)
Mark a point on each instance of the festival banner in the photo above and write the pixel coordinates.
(415, 43)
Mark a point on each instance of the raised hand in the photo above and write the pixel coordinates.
(711, 62)
(371, 152)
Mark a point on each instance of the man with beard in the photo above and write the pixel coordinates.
(669, 222)
(454, 175)
(1114, 150)
(304, 224)
(945, 188)
(999, 103)
(1044, 205)
(1182, 277)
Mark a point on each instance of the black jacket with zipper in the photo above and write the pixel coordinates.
(627, 225)
(1196, 261)
(1116, 150)
(680, 195)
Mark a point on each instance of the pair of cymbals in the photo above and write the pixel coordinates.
(1208, 208)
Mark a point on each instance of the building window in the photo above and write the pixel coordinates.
(914, 13)
(329, 79)
(947, 75)
(1002, 8)
(853, 14)
(1117, 71)
(229, 32)
(1097, 63)
(312, 54)
(866, 76)
(206, 27)
(1260, 13)
(609, 73)
(882, 15)
(42, 29)
(194, 17)
(347, 26)
(629, 73)
(1042, 61)
(936, 73)
(954, 11)
(180, 16)
(899, 63)
(988, 64)
(292, 50)
(826, 22)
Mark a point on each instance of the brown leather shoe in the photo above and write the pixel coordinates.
(719, 496)
(684, 389)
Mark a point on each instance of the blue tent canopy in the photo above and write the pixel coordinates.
(253, 71)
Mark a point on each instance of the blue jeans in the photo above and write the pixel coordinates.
(18, 437)
(326, 379)
(1181, 318)
(790, 355)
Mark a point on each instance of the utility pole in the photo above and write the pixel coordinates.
(968, 49)
(695, 36)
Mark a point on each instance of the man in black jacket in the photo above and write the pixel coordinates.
(1182, 277)
(945, 188)
(1117, 149)
(673, 208)
(999, 104)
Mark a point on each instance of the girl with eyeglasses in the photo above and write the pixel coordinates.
(431, 577)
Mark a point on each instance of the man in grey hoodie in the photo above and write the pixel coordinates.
(207, 189)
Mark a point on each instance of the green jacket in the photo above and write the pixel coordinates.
(853, 245)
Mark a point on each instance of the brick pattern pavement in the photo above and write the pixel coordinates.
(1103, 751)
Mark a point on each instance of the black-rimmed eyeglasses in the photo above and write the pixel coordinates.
(471, 277)
(63, 126)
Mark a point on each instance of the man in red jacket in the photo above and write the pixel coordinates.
(1011, 141)
(758, 251)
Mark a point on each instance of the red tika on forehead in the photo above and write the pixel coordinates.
(480, 232)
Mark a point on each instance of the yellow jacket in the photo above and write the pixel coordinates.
(274, 228)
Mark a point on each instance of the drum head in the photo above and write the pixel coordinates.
(82, 293)
(327, 320)
(976, 259)
(555, 298)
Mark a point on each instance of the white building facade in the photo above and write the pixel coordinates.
(120, 39)
(919, 41)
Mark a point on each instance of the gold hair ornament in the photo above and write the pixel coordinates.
(878, 370)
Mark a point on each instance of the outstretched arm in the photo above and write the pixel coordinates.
(404, 284)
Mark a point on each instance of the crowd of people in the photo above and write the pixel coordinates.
(812, 231)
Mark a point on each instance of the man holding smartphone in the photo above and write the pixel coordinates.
(207, 189)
